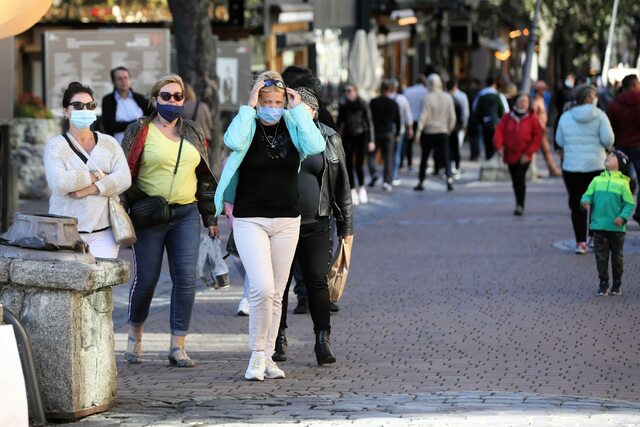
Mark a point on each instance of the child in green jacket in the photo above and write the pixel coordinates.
(611, 202)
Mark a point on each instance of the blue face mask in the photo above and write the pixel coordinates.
(82, 119)
(270, 114)
(169, 112)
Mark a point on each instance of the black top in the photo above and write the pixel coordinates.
(354, 117)
(309, 181)
(386, 116)
(268, 175)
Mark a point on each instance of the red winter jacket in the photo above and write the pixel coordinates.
(518, 135)
(624, 115)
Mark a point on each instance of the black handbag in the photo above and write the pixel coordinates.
(231, 246)
(154, 210)
(150, 211)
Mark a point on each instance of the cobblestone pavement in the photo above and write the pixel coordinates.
(456, 313)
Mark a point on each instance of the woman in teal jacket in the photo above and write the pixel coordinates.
(584, 134)
(260, 178)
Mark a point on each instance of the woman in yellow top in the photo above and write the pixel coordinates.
(168, 158)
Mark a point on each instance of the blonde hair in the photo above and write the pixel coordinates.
(189, 93)
(165, 80)
(269, 75)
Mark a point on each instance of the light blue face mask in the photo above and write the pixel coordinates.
(270, 115)
(82, 119)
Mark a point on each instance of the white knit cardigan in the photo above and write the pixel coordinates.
(67, 173)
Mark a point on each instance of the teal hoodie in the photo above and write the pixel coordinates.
(306, 137)
(610, 197)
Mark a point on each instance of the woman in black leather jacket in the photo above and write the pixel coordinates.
(324, 190)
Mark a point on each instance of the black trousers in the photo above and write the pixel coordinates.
(606, 242)
(314, 247)
(408, 149)
(438, 142)
(519, 181)
(384, 143)
(454, 148)
(487, 139)
(355, 148)
(577, 183)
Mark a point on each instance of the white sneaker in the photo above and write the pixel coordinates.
(387, 187)
(354, 197)
(271, 370)
(243, 307)
(362, 195)
(257, 366)
(396, 182)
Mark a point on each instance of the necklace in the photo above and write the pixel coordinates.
(271, 140)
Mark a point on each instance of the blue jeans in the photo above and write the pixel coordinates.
(399, 148)
(181, 237)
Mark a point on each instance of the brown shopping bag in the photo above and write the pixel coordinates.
(337, 276)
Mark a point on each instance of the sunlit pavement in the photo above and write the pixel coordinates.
(456, 313)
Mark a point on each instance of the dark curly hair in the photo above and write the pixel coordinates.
(73, 89)
(295, 76)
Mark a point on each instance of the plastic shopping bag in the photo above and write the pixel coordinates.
(212, 268)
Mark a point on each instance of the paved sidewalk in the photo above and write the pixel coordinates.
(456, 313)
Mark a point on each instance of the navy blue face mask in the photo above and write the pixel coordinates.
(169, 112)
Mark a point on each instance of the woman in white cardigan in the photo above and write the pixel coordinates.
(77, 190)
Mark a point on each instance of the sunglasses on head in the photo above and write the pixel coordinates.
(166, 96)
(77, 105)
(277, 83)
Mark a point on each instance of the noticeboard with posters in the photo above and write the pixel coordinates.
(233, 68)
(88, 56)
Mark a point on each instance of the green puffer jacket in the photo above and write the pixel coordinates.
(610, 197)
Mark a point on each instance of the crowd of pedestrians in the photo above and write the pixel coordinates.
(293, 177)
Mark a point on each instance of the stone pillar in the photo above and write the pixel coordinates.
(66, 309)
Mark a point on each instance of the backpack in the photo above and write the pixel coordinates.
(489, 110)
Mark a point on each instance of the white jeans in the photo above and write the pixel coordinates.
(266, 247)
(101, 244)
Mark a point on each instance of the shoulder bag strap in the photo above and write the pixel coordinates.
(84, 157)
(175, 170)
(195, 112)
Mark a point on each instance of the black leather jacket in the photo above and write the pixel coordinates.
(335, 193)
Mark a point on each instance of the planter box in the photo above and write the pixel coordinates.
(28, 138)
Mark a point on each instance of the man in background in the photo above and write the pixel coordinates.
(123, 106)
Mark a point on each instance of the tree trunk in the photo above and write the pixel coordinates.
(196, 54)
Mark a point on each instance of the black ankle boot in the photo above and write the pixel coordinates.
(280, 353)
(323, 349)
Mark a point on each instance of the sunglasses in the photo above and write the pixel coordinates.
(166, 96)
(77, 105)
(277, 83)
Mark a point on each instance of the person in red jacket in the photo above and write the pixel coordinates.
(624, 114)
(517, 138)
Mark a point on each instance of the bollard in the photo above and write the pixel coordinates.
(66, 307)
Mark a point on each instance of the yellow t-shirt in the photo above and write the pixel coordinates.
(158, 162)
